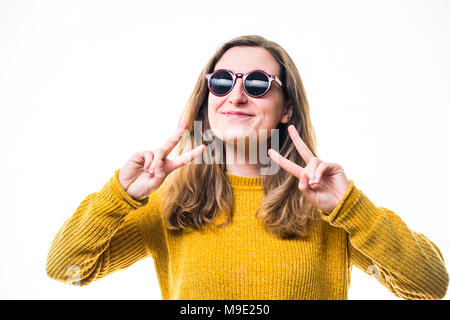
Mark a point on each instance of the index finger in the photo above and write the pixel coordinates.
(184, 158)
(172, 142)
(286, 164)
(300, 145)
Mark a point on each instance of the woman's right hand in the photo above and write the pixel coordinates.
(145, 171)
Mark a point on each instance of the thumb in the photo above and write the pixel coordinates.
(160, 170)
(303, 183)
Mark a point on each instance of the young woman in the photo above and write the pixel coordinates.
(219, 226)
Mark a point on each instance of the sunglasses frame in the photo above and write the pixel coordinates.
(244, 77)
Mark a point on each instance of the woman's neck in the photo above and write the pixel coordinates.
(240, 163)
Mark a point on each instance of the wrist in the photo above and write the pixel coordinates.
(122, 184)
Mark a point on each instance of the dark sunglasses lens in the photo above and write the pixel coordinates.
(221, 82)
(256, 83)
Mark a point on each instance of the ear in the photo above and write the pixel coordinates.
(287, 113)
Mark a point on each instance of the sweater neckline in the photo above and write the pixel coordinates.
(241, 181)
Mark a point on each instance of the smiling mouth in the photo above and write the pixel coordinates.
(236, 115)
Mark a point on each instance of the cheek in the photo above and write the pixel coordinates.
(214, 103)
(270, 115)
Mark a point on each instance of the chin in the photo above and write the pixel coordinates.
(234, 134)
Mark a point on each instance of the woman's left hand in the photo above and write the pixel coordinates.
(322, 183)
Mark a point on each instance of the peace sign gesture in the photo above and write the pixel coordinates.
(322, 183)
(145, 171)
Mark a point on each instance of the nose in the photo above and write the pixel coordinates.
(237, 95)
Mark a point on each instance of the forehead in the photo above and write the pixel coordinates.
(246, 59)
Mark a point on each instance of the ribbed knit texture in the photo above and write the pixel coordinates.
(110, 231)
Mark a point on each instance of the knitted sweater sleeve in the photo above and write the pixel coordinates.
(102, 236)
(381, 244)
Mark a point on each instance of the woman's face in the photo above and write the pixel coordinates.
(265, 112)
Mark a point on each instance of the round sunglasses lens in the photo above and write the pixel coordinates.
(256, 83)
(221, 82)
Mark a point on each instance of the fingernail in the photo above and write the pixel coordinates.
(151, 171)
(311, 181)
(316, 180)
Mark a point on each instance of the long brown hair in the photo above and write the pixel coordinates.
(284, 210)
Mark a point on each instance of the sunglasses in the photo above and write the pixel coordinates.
(256, 83)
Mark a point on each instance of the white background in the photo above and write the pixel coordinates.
(84, 84)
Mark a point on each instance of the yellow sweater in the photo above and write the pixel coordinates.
(110, 231)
